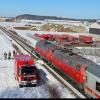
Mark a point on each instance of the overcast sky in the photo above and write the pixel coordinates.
(61, 8)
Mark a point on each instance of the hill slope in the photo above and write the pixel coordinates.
(37, 17)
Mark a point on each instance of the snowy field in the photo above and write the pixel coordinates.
(12, 24)
(9, 86)
(95, 59)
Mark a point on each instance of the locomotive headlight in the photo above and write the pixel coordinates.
(84, 77)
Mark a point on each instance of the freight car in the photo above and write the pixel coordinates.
(86, 39)
(67, 39)
(84, 73)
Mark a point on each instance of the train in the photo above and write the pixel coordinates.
(85, 74)
(66, 39)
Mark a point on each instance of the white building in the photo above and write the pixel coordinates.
(64, 22)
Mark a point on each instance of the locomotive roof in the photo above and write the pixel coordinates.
(72, 58)
(45, 45)
(75, 59)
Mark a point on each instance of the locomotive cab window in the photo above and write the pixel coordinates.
(78, 66)
(98, 86)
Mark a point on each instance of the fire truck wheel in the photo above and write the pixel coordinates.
(34, 85)
(21, 86)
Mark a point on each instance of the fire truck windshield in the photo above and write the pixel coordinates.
(28, 70)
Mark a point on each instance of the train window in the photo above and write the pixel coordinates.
(98, 86)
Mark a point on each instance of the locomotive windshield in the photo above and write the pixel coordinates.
(28, 70)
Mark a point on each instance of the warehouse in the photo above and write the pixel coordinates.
(94, 30)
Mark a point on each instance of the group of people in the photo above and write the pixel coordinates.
(8, 56)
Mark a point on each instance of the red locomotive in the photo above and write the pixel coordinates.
(78, 69)
(25, 70)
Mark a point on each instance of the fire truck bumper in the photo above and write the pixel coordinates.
(27, 83)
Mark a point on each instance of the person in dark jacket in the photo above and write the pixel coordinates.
(5, 55)
(9, 55)
(14, 53)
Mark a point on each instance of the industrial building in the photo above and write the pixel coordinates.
(94, 29)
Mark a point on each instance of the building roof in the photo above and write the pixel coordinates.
(95, 25)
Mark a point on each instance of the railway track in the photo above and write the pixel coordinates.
(25, 45)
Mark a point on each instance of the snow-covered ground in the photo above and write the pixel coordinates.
(12, 24)
(8, 85)
(95, 59)
(28, 35)
(5, 48)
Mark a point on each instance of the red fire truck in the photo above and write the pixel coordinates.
(25, 71)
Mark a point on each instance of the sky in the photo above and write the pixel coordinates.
(87, 9)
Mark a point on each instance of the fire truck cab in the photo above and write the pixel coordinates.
(25, 71)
